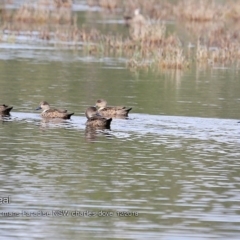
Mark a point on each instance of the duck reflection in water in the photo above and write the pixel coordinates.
(48, 123)
(91, 134)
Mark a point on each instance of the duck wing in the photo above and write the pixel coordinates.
(61, 110)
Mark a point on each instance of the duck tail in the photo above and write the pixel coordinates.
(7, 110)
(128, 110)
(109, 120)
(69, 115)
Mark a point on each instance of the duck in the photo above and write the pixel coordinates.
(137, 20)
(94, 119)
(5, 110)
(53, 113)
(116, 111)
(138, 25)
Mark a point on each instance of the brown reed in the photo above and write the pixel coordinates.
(199, 11)
(148, 44)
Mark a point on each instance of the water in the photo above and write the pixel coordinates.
(173, 165)
(171, 171)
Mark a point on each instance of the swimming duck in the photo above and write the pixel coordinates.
(95, 119)
(53, 113)
(105, 111)
(5, 110)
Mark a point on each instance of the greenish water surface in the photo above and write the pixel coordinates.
(174, 161)
(172, 167)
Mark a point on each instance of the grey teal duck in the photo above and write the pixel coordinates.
(117, 111)
(96, 120)
(52, 112)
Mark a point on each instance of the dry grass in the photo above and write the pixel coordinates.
(110, 5)
(189, 10)
(43, 11)
(232, 10)
(148, 44)
(51, 19)
(199, 11)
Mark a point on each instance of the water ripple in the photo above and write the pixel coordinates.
(177, 171)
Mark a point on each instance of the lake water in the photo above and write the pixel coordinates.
(172, 168)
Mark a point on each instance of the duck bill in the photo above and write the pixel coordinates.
(38, 108)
